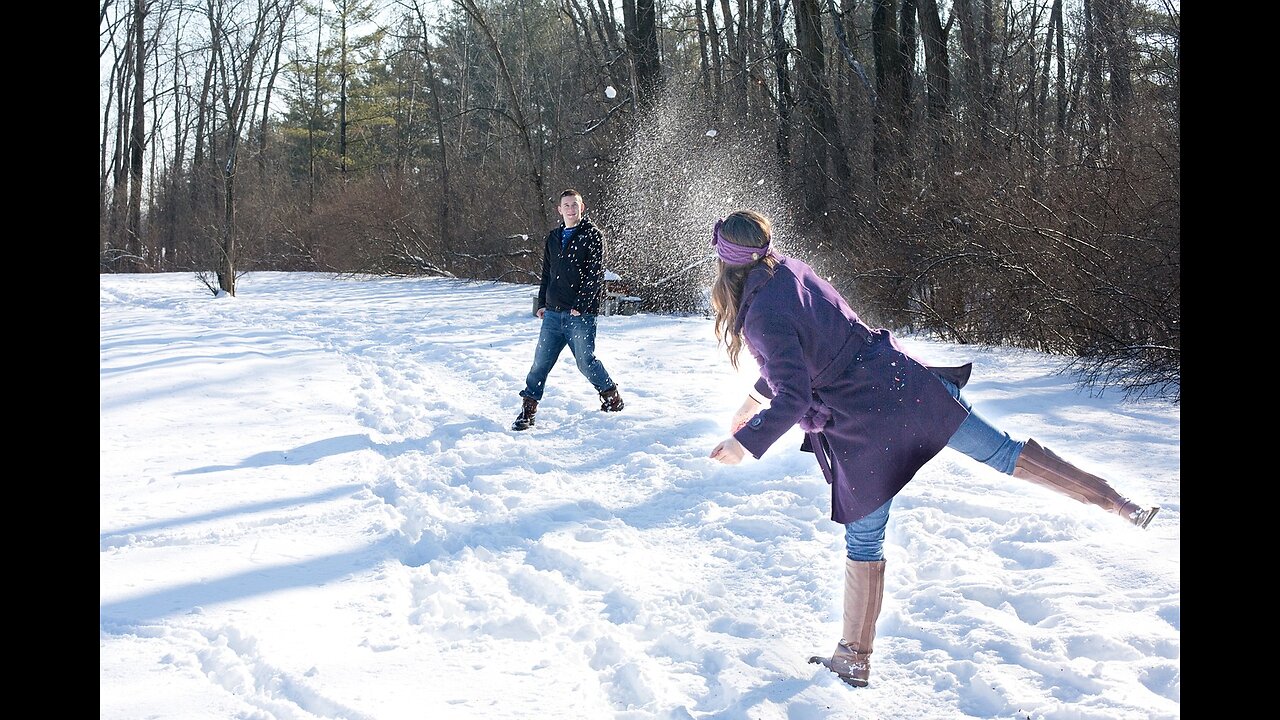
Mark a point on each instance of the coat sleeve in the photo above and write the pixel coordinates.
(592, 286)
(773, 340)
(546, 272)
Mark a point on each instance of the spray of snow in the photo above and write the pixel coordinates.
(675, 178)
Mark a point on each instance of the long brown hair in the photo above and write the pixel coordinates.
(751, 229)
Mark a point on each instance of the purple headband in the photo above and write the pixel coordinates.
(733, 253)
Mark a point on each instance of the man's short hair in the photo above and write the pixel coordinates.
(569, 192)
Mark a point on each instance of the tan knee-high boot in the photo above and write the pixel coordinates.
(1042, 467)
(863, 596)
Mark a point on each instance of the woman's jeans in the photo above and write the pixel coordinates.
(977, 438)
(579, 333)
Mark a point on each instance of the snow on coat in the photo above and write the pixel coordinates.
(872, 414)
(573, 269)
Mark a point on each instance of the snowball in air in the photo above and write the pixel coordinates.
(610, 92)
(712, 132)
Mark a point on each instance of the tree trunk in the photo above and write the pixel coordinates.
(175, 197)
(640, 29)
(314, 113)
(631, 38)
(1060, 137)
(1042, 103)
(117, 215)
(856, 76)
(584, 25)
(735, 72)
(991, 103)
(606, 30)
(343, 74)
(1093, 84)
(971, 73)
(603, 33)
(204, 108)
(236, 58)
(891, 108)
(648, 68)
(609, 29)
(283, 17)
(106, 167)
(938, 84)
(717, 69)
(442, 156)
(822, 136)
(781, 50)
(757, 55)
(907, 36)
(537, 216)
(1113, 19)
(137, 137)
(704, 62)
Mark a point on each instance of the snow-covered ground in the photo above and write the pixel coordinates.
(311, 506)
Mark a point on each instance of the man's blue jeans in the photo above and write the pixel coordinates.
(977, 438)
(558, 330)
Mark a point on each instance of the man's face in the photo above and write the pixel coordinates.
(570, 209)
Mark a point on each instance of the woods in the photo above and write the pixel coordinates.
(991, 171)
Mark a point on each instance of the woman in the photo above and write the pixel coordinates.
(872, 414)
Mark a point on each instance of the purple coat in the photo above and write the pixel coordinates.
(873, 415)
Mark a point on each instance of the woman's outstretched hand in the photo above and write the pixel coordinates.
(729, 452)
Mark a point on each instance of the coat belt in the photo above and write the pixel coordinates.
(857, 346)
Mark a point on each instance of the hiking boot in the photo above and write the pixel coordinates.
(610, 400)
(524, 420)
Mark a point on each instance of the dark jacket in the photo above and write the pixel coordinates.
(873, 415)
(573, 277)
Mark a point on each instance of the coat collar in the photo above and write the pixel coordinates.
(756, 279)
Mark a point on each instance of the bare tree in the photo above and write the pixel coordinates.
(704, 61)
(442, 155)
(639, 22)
(938, 73)
(236, 49)
(537, 215)
(137, 135)
(1053, 36)
(587, 29)
(1092, 147)
(648, 66)
(891, 80)
(1112, 18)
(1057, 230)
(717, 63)
(780, 51)
(106, 166)
(284, 10)
(735, 70)
(117, 165)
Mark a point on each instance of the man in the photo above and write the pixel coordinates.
(568, 301)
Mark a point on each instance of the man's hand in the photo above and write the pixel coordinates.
(541, 311)
(729, 452)
(574, 312)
